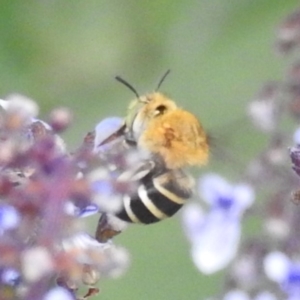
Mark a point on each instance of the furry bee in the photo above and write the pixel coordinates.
(174, 139)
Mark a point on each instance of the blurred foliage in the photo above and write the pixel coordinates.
(66, 53)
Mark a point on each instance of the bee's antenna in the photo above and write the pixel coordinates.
(162, 80)
(120, 79)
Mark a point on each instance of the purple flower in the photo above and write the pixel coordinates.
(87, 211)
(220, 227)
(44, 193)
(111, 260)
(36, 262)
(279, 268)
(265, 296)
(58, 293)
(20, 104)
(296, 136)
(10, 276)
(24, 109)
(105, 196)
(236, 295)
(9, 217)
(81, 212)
(241, 295)
(220, 195)
(295, 158)
(289, 33)
(105, 129)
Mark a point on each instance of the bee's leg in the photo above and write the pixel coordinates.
(92, 291)
(108, 227)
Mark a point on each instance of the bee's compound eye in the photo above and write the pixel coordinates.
(160, 109)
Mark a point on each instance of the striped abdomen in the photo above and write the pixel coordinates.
(157, 197)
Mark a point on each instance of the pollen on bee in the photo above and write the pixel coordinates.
(178, 137)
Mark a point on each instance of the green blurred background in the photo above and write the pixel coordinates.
(66, 53)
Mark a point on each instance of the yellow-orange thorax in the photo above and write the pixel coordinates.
(160, 127)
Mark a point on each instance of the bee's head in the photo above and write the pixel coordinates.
(145, 109)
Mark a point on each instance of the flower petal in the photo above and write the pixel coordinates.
(236, 295)
(21, 104)
(10, 276)
(192, 218)
(265, 296)
(36, 263)
(104, 129)
(276, 266)
(81, 241)
(9, 217)
(244, 195)
(212, 187)
(296, 136)
(58, 293)
(218, 232)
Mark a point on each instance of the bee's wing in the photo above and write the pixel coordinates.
(138, 172)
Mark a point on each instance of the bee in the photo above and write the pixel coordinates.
(173, 139)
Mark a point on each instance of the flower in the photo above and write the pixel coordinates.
(105, 196)
(21, 105)
(265, 296)
(263, 111)
(295, 158)
(60, 118)
(220, 227)
(288, 35)
(236, 295)
(36, 263)
(58, 293)
(44, 194)
(286, 272)
(104, 130)
(219, 194)
(103, 259)
(81, 212)
(20, 114)
(10, 276)
(9, 217)
(241, 295)
(296, 136)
